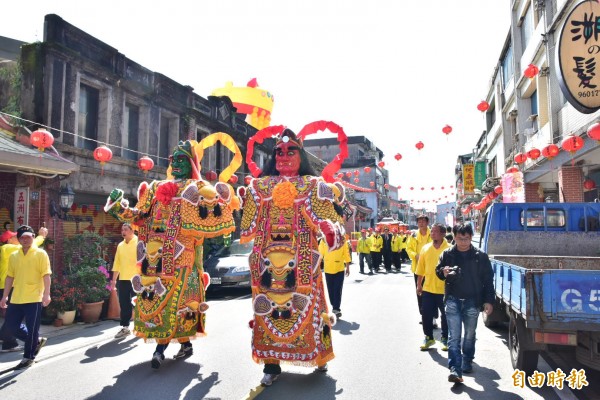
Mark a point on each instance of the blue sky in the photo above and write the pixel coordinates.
(394, 71)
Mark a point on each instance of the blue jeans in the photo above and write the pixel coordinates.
(458, 313)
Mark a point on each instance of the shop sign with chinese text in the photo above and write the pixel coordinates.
(21, 206)
(577, 56)
(469, 178)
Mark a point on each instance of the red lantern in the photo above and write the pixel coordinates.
(367, 169)
(349, 174)
(381, 164)
(398, 156)
(589, 184)
(372, 184)
(433, 188)
(102, 154)
(520, 158)
(512, 170)
(422, 188)
(399, 187)
(419, 145)
(145, 164)
(534, 154)
(387, 186)
(41, 139)
(572, 143)
(356, 172)
(447, 129)
(84, 209)
(498, 189)
(594, 131)
(356, 180)
(233, 179)
(247, 180)
(550, 151)
(73, 207)
(531, 71)
(340, 175)
(483, 106)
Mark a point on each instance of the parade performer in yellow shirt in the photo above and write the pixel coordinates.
(431, 288)
(416, 243)
(125, 267)
(363, 248)
(337, 265)
(29, 274)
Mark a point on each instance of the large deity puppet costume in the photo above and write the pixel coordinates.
(284, 210)
(173, 217)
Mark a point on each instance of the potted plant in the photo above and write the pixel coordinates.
(65, 297)
(87, 267)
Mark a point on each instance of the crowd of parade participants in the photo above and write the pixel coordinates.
(300, 253)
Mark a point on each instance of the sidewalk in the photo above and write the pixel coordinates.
(65, 339)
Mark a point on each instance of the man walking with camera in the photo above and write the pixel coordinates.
(469, 289)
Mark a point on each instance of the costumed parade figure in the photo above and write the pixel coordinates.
(173, 217)
(283, 211)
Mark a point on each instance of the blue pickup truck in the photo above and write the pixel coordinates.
(546, 262)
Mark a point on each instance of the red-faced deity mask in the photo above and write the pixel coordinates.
(287, 159)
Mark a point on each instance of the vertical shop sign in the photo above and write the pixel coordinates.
(21, 206)
(469, 178)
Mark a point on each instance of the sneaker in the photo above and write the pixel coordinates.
(427, 343)
(322, 368)
(338, 313)
(184, 352)
(467, 368)
(11, 349)
(157, 359)
(444, 342)
(454, 377)
(124, 332)
(25, 363)
(268, 379)
(41, 343)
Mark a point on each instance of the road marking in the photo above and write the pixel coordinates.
(254, 392)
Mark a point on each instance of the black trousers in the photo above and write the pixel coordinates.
(335, 284)
(396, 260)
(419, 302)
(432, 303)
(361, 261)
(126, 293)
(387, 260)
(376, 259)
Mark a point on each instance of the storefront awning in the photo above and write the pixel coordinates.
(18, 158)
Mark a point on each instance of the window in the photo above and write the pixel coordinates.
(493, 167)
(534, 103)
(89, 99)
(508, 68)
(132, 132)
(164, 147)
(527, 27)
(535, 218)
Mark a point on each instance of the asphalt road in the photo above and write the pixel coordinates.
(376, 345)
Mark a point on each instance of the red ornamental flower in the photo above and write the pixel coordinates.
(166, 191)
(483, 106)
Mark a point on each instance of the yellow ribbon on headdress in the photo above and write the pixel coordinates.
(226, 141)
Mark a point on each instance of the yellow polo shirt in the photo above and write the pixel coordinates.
(126, 260)
(6, 250)
(28, 271)
(428, 261)
(414, 246)
(335, 261)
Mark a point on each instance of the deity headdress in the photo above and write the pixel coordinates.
(278, 131)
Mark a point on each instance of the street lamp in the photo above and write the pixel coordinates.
(66, 198)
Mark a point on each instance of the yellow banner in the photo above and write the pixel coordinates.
(469, 178)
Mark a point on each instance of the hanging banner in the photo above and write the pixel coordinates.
(21, 206)
(469, 178)
(577, 57)
(513, 189)
(480, 174)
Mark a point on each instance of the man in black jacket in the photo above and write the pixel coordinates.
(469, 289)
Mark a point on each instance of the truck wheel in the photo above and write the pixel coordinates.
(518, 341)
